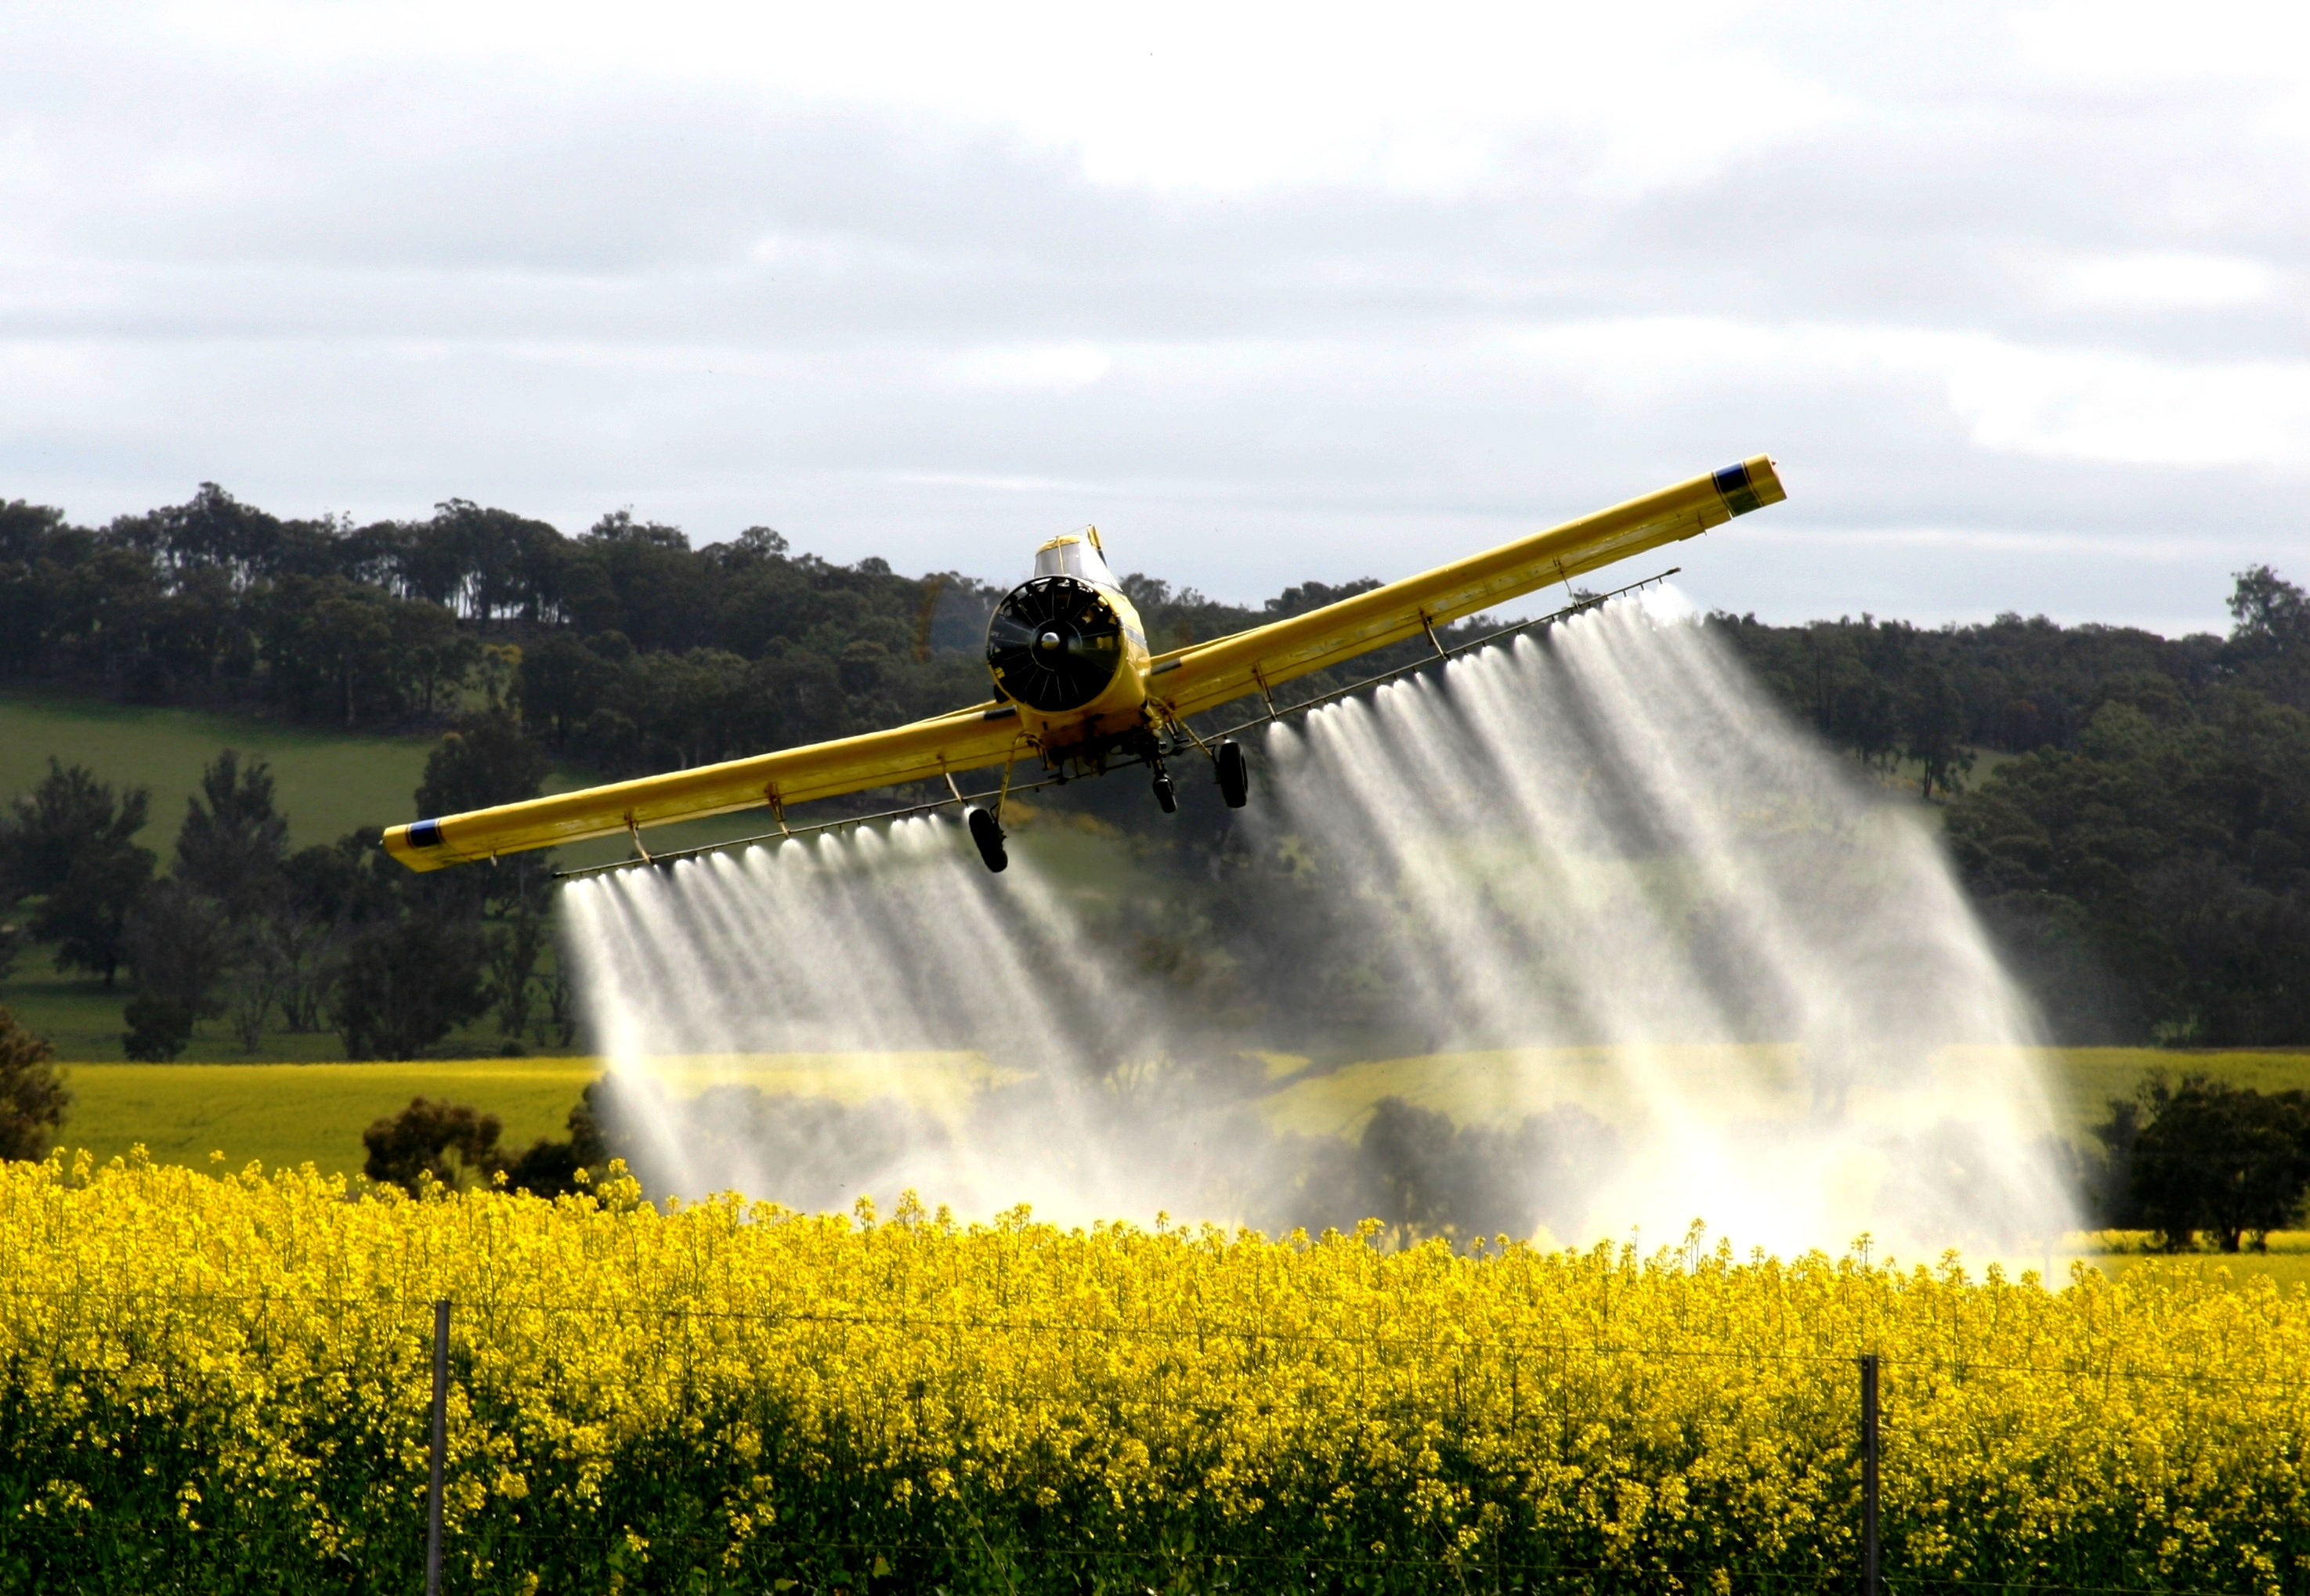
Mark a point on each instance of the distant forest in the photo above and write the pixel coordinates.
(2143, 853)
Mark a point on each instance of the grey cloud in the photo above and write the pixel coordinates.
(368, 289)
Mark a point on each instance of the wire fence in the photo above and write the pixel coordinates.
(494, 1311)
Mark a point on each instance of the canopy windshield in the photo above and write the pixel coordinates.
(1073, 555)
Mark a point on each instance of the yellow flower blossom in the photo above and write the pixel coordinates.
(221, 1381)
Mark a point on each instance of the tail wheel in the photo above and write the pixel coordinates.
(1167, 795)
(987, 833)
(1235, 775)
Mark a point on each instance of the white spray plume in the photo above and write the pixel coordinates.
(1636, 909)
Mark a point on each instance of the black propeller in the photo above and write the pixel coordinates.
(1054, 644)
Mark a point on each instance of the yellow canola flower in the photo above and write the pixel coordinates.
(208, 1377)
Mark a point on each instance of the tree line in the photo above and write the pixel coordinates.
(626, 649)
(2141, 857)
(2145, 861)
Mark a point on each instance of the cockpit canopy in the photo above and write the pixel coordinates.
(1075, 554)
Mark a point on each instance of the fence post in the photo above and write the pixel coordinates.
(1869, 1474)
(441, 1446)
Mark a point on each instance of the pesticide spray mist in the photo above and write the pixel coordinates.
(1665, 958)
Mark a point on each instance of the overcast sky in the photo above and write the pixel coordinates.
(2017, 296)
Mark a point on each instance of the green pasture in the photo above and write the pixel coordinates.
(2094, 1075)
(283, 1115)
(327, 783)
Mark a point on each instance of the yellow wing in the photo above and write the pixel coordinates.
(1180, 683)
(923, 750)
(1206, 675)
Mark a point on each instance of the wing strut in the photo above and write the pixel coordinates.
(1003, 791)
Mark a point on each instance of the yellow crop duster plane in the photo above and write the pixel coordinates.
(1077, 688)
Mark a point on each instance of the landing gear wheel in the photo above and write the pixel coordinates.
(987, 833)
(1165, 795)
(1235, 776)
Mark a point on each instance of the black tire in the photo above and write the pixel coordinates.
(1165, 795)
(1235, 775)
(987, 834)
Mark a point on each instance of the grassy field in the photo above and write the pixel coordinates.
(2094, 1075)
(283, 1115)
(2287, 1263)
(328, 783)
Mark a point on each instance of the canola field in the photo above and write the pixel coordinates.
(222, 1383)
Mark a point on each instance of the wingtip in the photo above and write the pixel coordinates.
(1750, 485)
(1765, 480)
(418, 845)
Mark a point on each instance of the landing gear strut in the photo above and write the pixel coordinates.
(987, 832)
(1165, 795)
(1235, 776)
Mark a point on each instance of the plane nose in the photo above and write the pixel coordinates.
(1050, 642)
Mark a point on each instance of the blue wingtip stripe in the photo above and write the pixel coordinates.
(425, 833)
(1738, 492)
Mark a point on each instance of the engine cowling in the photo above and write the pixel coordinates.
(1055, 645)
(1070, 654)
